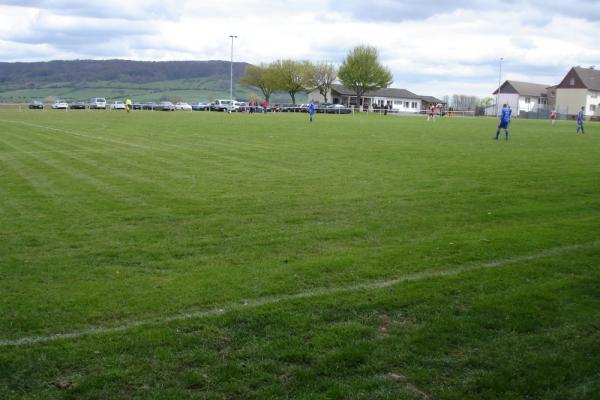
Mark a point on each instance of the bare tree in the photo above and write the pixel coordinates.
(324, 74)
(464, 102)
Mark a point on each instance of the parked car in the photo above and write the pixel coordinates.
(118, 105)
(224, 105)
(77, 105)
(149, 105)
(165, 106)
(36, 105)
(136, 106)
(200, 106)
(97, 103)
(285, 107)
(183, 106)
(337, 109)
(322, 107)
(60, 105)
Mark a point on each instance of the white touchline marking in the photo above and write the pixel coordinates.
(243, 304)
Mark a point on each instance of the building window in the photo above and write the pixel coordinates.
(406, 104)
(398, 102)
(572, 82)
(592, 107)
(543, 100)
(413, 104)
(594, 95)
(527, 100)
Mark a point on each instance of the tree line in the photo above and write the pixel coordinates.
(468, 103)
(360, 71)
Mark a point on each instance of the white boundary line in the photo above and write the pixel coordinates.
(244, 304)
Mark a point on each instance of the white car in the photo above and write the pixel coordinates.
(118, 105)
(60, 105)
(98, 103)
(224, 105)
(183, 106)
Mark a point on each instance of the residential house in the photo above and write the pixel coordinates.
(579, 88)
(522, 97)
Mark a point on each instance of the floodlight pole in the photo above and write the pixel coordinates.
(499, 83)
(231, 70)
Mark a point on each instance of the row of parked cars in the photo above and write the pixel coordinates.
(321, 108)
(162, 106)
(240, 106)
(100, 103)
(95, 103)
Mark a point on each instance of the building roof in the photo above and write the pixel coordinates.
(431, 99)
(589, 76)
(523, 88)
(581, 78)
(386, 92)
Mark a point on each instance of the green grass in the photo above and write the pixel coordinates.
(113, 218)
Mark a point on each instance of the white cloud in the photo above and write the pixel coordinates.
(452, 46)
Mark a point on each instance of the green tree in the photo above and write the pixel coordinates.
(361, 71)
(261, 77)
(323, 76)
(292, 76)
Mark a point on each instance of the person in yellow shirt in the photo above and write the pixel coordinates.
(128, 105)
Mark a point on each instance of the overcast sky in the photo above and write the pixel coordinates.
(432, 47)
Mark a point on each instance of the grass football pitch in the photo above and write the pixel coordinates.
(212, 256)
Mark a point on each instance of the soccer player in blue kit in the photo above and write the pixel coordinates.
(504, 121)
(580, 120)
(311, 110)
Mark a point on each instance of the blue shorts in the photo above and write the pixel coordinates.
(503, 125)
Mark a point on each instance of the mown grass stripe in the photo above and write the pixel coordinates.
(184, 153)
(253, 303)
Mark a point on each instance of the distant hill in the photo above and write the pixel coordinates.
(32, 73)
(115, 79)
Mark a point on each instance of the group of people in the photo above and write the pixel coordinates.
(256, 106)
(505, 118)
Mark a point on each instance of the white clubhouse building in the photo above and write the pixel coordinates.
(399, 100)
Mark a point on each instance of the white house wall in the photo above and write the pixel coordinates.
(512, 99)
(533, 105)
(401, 105)
(570, 101)
(593, 99)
